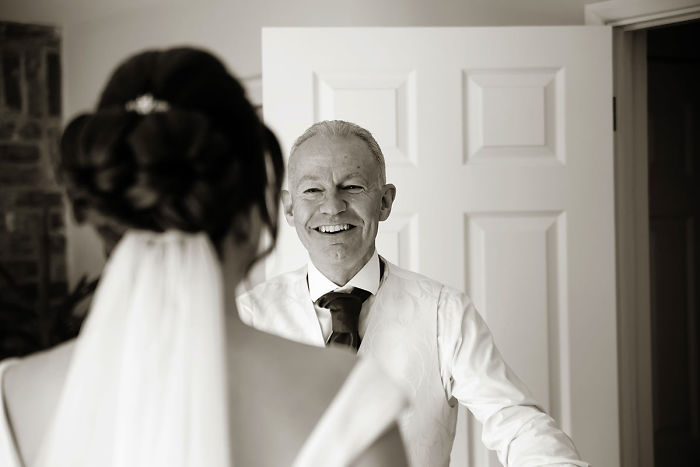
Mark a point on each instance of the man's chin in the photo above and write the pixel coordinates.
(337, 254)
(340, 255)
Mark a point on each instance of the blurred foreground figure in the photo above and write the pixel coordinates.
(179, 176)
(428, 335)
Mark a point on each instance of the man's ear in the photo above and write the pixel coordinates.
(288, 207)
(388, 196)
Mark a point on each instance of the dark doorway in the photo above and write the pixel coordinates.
(673, 60)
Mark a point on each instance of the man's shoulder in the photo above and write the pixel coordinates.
(415, 281)
(267, 299)
(411, 277)
(276, 284)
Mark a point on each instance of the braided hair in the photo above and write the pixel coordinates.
(194, 167)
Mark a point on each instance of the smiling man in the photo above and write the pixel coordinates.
(328, 174)
(428, 336)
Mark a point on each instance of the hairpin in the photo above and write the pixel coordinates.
(146, 104)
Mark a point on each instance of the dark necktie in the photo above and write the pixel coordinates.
(345, 313)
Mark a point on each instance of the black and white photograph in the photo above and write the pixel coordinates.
(448, 233)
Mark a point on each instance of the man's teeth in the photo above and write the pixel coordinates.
(333, 228)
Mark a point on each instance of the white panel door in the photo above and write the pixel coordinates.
(499, 141)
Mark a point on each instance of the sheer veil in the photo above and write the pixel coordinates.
(147, 384)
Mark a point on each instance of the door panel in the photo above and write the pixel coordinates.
(499, 141)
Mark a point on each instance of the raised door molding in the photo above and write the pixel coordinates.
(641, 14)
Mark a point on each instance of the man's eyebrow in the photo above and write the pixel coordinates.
(315, 178)
(353, 175)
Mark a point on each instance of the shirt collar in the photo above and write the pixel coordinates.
(367, 278)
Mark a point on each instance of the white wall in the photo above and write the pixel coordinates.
(97, 34)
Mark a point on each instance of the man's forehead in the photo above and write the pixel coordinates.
(344, 154)
(332, 146)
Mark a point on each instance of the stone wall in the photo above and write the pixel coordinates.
(32, 236)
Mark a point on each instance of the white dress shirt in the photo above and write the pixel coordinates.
(367, 278)
(433, 342)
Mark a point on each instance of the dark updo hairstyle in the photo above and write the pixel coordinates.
(193, 167)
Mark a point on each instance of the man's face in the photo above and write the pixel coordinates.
(336, 200)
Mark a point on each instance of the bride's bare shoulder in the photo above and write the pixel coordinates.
(304, 365)
(280, 391)
(30, 389)
(42, 371)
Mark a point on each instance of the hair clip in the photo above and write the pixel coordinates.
(146, 104)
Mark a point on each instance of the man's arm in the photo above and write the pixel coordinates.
(475, 374)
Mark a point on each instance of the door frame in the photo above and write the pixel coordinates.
(630, 20)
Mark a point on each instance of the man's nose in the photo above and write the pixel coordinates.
(333, 204)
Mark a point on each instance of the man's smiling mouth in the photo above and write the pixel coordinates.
(334, 228)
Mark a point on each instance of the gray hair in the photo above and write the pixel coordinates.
(341, 128)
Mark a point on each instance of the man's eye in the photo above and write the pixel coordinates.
(353, 188)
(312, 190)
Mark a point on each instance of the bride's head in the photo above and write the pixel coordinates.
(174, 144)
